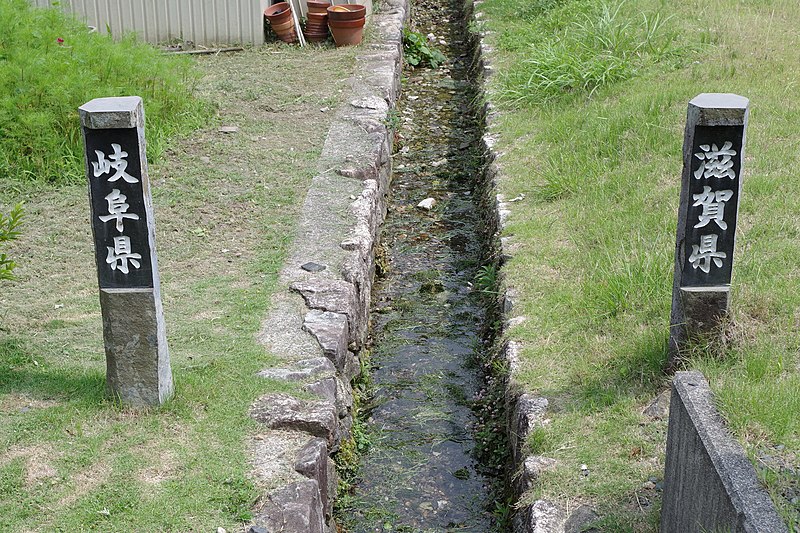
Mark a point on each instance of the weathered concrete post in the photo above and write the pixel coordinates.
(137, 359)
(713, 153)
(709, 484)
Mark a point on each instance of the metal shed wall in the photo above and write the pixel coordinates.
(204, 22)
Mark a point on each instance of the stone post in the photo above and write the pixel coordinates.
(713, 153)
(137, 358)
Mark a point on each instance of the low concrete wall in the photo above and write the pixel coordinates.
(709, 484)
(319, 314)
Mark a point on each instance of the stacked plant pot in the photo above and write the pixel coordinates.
(281, 21)
(317, 23)
(347, 23)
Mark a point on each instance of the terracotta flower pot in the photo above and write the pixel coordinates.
(280, 20)
(347, 12)
(357, 23)
(277, 13)
(283, 26)
(316, 37)
(317, 26)
(347, 32)
(317, 6)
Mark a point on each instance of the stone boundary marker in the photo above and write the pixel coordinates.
(711, 186)
(137, 359)
(318, 317)
(709, 484)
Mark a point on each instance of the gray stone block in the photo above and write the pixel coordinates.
(281, 411)
(331, 331)
(324, 388)
(580, 520)
(304, 370)
(532, 468)
(541, 517)
(709, 484)
(336, 296)
(296, 508)
(137, 359)
(658, 408)
(352, 367)
(526, 415)
(313, 463)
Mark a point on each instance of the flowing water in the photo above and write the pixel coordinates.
(420, 473)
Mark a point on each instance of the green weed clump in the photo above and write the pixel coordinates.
(50, 65)
(600, 45)
(417, 51)
(8, 232)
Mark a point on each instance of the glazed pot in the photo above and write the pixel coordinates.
(347, 12)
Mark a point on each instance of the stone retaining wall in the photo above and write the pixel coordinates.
(709, 484)
(318, 319)
(525, 412)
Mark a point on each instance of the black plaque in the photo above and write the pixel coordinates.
(105, 232)
(718, 222)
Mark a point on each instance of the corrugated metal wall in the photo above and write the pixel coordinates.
(204, 22)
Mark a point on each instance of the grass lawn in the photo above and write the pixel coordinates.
(593, 99)
(225, 206)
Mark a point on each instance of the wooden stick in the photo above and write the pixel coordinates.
(205, 51)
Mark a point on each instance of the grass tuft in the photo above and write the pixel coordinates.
(606, 44)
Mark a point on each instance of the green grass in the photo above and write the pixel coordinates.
(9, 231)
(50, 65)
(225, 207)
(599, 158)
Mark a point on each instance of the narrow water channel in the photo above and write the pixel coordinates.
(420, 474)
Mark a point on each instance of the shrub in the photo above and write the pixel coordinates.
(418, 52)
(50, 65)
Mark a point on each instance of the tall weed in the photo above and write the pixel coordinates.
(50, 65)
(9, 230)
(595, 49)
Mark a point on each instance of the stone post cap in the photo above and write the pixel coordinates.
(718, 109)
(114, 112)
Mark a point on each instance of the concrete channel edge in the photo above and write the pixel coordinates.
(524, 411)
(318, 317)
